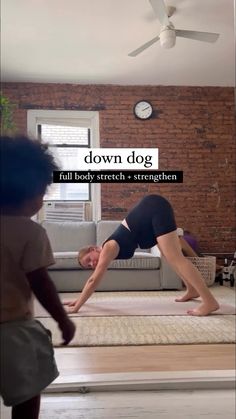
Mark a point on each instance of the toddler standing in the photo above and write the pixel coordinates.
(27, 358)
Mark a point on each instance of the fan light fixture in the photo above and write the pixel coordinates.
(167, 37)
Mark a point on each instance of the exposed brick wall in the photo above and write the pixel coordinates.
(193, 127)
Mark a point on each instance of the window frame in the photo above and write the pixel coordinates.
(88, 119)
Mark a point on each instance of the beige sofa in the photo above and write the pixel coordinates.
(146, 270)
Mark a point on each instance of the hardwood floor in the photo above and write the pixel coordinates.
(185, 404)
(142, 405)
(210, 404)
(145, 358)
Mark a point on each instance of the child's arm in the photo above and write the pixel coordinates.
(108, 253)
(45, 291)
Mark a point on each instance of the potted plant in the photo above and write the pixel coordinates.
(6, 112)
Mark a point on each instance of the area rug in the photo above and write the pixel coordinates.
(112, 326)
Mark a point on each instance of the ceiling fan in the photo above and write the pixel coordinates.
(168, 32)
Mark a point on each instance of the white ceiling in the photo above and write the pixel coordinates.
(88, 41)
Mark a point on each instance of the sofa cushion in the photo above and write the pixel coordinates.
(65, 260)
(104, 229)
(140, 260)
(70, 235)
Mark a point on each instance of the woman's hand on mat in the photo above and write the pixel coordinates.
(69, 303)
(72, 306)
(67, 331)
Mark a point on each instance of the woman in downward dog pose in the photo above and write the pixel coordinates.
(150, 222)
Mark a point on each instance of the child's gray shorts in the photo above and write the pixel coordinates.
(27, 360)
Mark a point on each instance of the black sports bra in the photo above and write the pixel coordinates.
(126, 241)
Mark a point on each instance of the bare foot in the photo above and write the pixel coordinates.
(189, 295)
(204, 309)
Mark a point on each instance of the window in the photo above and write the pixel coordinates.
(66, 132)
(65, 142)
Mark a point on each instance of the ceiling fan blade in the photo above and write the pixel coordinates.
(143, 47)
(160, 11)
(198, 36)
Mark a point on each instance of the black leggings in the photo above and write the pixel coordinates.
(152, 217)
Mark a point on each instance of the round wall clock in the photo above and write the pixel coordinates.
(143, 109)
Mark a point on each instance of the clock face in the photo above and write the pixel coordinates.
(143, 109)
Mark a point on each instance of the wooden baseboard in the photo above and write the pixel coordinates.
(174, 380)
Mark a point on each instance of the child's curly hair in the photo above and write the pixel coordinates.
(26, 169)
